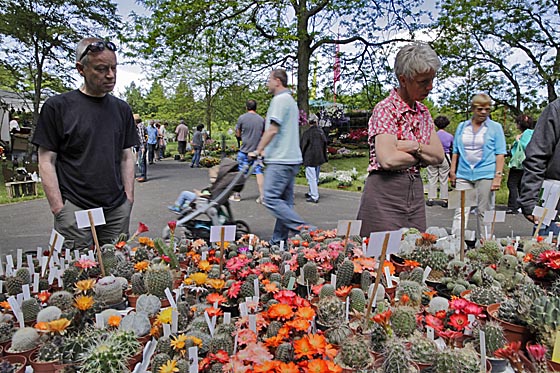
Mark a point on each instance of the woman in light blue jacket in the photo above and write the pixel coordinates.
(525, 124)
(478, 160)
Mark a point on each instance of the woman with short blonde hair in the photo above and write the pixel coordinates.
(478, 160)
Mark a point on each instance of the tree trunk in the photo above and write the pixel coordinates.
(303, 58)
(551, 91)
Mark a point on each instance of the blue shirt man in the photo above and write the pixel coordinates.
(280, 147)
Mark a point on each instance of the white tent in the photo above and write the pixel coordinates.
(11, 102)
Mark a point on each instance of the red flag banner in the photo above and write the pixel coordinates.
(337, 64)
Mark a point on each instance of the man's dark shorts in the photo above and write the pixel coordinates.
(182, 147)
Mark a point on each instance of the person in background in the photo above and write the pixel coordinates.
(152, 141)
(14, 125)
(162, 140)
(280, 147)
(402, 139)
(525, 125)
(314, 151)
(197, 144)
(542, 162)
(440, 173)
(85, 139)
(182, 132)
(141, 150)
(477, 163)
(250, 127)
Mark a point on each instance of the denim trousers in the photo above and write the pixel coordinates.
(196, 156)
(279, 199)
(185, 197)
(312, 176)
(141, 153)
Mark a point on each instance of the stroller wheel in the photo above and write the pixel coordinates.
(242, 228)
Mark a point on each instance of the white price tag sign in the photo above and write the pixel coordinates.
(82, 217)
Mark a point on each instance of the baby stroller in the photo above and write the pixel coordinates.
(216, 209)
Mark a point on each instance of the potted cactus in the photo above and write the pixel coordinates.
(354, 355)
(13, 364)
(495, 339)
(24, 342)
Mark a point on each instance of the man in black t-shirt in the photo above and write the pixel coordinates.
(85, 138)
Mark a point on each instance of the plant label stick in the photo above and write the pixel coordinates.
(377, 277)
(291, 283)
(209, 323)
(96, 241)
(227, 317)
(174, 321)
(430, 333)
(26, 291)
(166, 330)
(193, 356)
(482, 352)
(333, 280)
(36, 282)
(19, 258)
(462, 243)
(556, 349)
(253, 323)
(30, 263)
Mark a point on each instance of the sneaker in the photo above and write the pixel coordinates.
(511, 212)
(307, 195)
(430, 202)
(141, 179)
(235, 198)
(312, 200)
(258, 200)
(445, 204)
(175, 209)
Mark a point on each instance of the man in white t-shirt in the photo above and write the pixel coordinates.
(14, 125)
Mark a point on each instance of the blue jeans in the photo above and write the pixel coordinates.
(312, 176)
(279, 199)
(553, 227)
(185, 197)
(141, 152)
(196, 156)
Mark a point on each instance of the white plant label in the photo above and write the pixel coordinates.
(376, 240)
(216, 233)
(30, 263)
(19, 257)
(59, 239)
(342, 227)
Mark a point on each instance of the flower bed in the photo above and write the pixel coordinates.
(306, 307)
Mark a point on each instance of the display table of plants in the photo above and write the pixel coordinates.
(315, 304)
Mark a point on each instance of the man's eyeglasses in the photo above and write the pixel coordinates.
(483, 109)
(99, 46)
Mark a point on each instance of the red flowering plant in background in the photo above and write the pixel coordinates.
(451, 324)
(312, 352)
(545, 266)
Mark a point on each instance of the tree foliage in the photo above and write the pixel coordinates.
(510, 49)
(38, 39)
(255, 36)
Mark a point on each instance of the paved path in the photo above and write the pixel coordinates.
(28, 224)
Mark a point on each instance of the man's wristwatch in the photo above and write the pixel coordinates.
(499, 173)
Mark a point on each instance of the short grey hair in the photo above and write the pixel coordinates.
(416, 58)
(81, 47)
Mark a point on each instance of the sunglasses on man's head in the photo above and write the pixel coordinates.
(99, 46)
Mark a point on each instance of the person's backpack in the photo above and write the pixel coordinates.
(518, 157)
